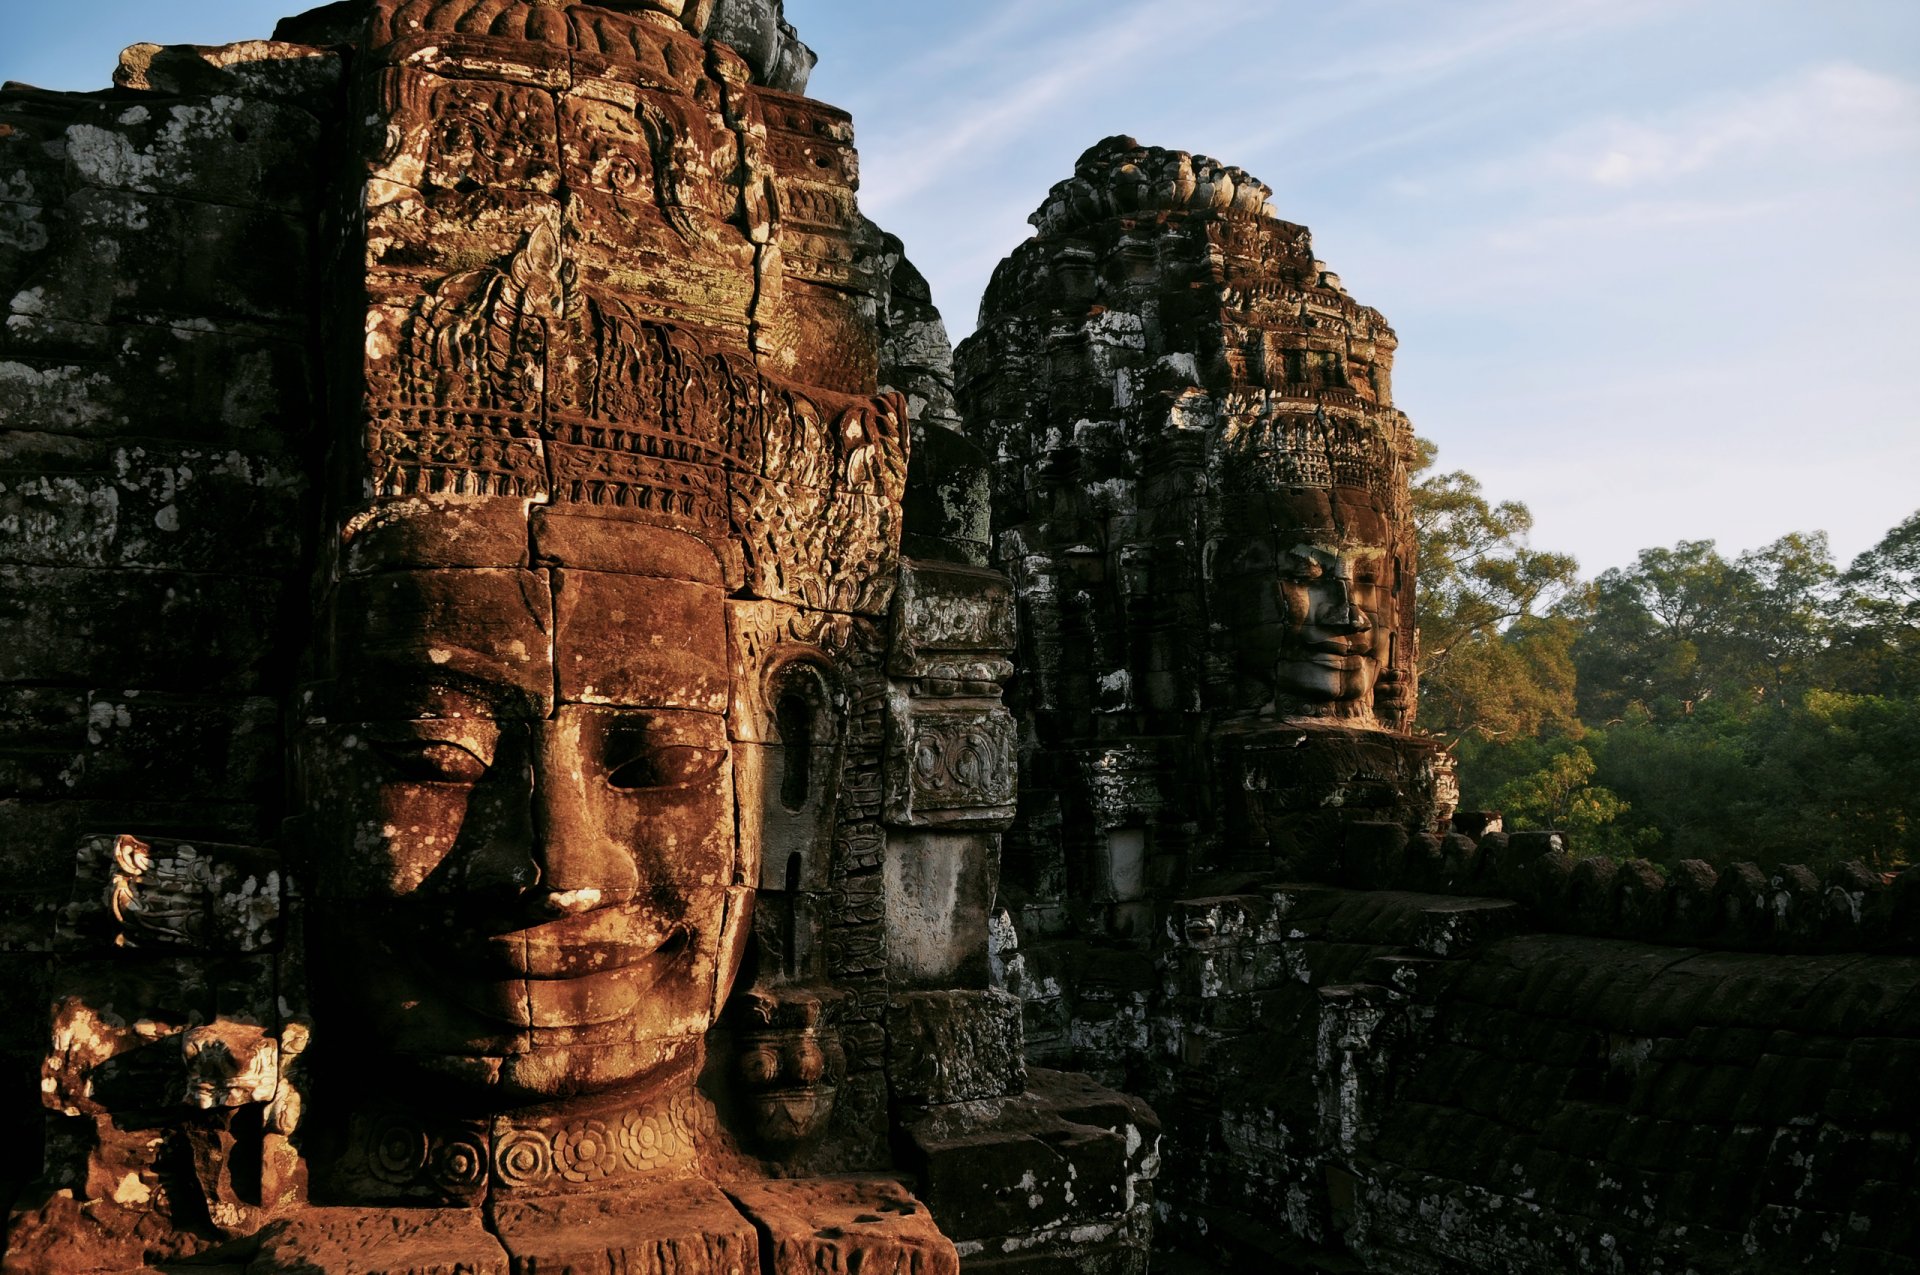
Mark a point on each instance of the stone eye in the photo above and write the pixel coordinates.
(430, 761)
(672, 766)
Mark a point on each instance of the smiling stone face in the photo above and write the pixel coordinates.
(1310, 613)
(528, 861)
(1337, 628)
(586, 433)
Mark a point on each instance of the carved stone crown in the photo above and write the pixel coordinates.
(1261, 451)
(1119, 176)
(514, 380)
(756, 29)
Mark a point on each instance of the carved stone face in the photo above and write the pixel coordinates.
(1334, 643)
(1310, 614)
(528, 875)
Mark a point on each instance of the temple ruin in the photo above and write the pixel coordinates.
(555, 724)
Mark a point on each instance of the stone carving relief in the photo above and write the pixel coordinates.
(634, 836)
(953, 764)
(513, 381)
(791, 1066)
(163, 894)
(1208, 525)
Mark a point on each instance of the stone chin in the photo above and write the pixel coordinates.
(1328, 678)
(639, 1070)
(1310, 689)
(493, 1040)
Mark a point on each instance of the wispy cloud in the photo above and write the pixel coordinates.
(1472, 35)
(996, 118)
(1633, 219)
(1463, 43)
(1827, 112)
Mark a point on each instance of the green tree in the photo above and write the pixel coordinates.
(1783, 613)
(1646, 629)
(1876, 650)
(1889, 573)
(1489, 664)
(1561, 794)
(1838, 775)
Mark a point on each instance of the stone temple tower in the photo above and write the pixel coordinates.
(1200, 492)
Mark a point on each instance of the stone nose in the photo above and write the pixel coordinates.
(580, 864)
(1338, 611)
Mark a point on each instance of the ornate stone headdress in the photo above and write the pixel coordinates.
(516, 380)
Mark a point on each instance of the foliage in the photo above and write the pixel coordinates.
(1561, 795)
(1489, 667)
(1889, 573)
(1763, 707)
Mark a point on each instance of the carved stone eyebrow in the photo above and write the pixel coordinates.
(478, 735)
(472, 689)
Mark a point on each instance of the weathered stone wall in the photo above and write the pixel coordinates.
(453, 333)
(1429, 1084)
(157, 417)
(1456, 1055)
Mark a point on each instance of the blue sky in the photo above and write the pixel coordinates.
(1653, 262)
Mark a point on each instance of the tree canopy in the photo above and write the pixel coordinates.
(1764, 706)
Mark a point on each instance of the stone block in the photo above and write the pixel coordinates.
(1741, 905)
(1858, 906)
(1531, 845)
(394, 631)
(160, 894)
(1797, 900)
(949, 763)
(427, 532)
(348, 1241)
(159, 630)
(1640, 900)
(271, 70)
(1215, 923)
(37, 837)
(1372, 855)
(42, 740)
(201, 385)
(1065, 1154)
(115, 1034)
(945, 1047)
(1691, 892)
(947, 498)
(1545, 882)
(120, 262)
(686, 662)
(952, 624)
(869, 1225)
(139, 745)
(1424, 866)
(668, 1228)
(152, 746)
(221, 148)
(940, 887)
(72, 503)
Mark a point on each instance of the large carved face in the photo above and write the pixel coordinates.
(528, 872)
(1310, 612)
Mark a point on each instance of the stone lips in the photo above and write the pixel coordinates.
(1420, 1079)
